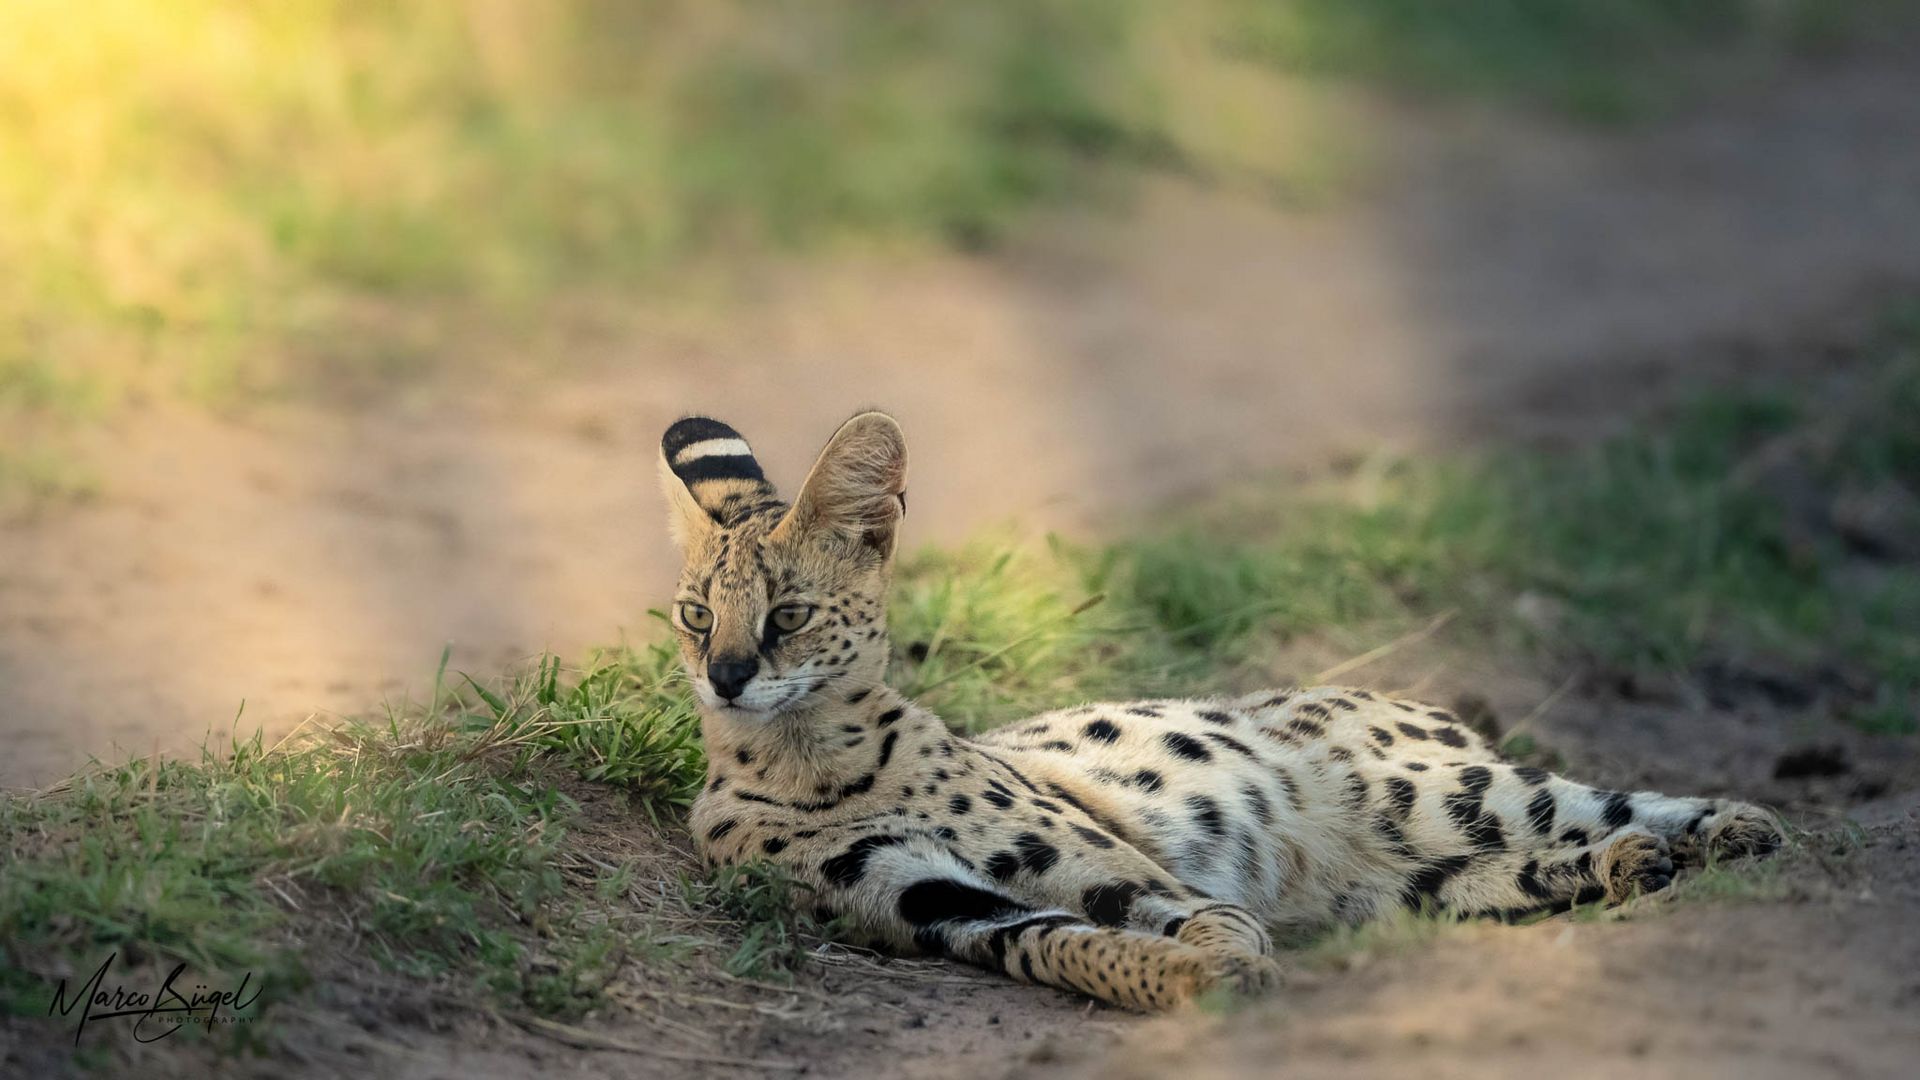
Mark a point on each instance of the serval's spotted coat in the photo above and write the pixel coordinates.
(1137, 852)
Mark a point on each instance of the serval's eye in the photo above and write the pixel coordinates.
(790, 617)
(695, 617)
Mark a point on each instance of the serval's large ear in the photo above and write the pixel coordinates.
(857, 492)
(710, 476)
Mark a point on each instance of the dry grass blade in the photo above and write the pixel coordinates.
(1079, 609)
(1390, 647)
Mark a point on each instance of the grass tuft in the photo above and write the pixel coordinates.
(773, 914)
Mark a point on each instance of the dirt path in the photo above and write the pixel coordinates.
(1492, 280)
(1818, 980)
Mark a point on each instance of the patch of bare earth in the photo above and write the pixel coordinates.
(1819, 978)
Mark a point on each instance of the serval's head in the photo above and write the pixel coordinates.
(782, 607)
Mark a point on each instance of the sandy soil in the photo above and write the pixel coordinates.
(1499, 280)
(1820, 981)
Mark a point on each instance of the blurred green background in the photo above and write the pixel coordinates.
(211, 198)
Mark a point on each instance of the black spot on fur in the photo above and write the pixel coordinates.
(1474, 779)
(858, 696)
(1215, 716)
(888, 717)
(1147, 779)
(1576, 837)
(1480, 827)
(774, 845)
(1231, 743)
(1618, 810)
(721, 829)
(1091, 836)
(1036, 854)
(1424, 884)
(848, 867)
(1530, 883)
(1043, 923)
(1186, 746)
(1531, 776)
(1540, 812)
(1109, 905)
(1412, 731)
(1357, 792)
(1101, 731)
(1400, 795)
(742, 756)
(998, 797)
(1172, 929)
(960, 804)
(1003, 865)
(1450, 736)
(1257, 800)
(1207, 815)
(1381, 735)
(1292, 788)
(1142, 710)
(1306, 728)
(942, 900)
(1417, 766)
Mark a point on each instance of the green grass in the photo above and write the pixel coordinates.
(431, 833)
(1599, 61)
(442, 835)
(774, 913)
(625, 720)
(215, 200)
(1705, 538)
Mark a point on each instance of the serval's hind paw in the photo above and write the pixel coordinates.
(1635, 863)
(1743, 829)
(1740, 830)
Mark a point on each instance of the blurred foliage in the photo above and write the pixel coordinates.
(1598, 61)
(196, 196)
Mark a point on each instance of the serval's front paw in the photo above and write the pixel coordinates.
(1247, 976)
(1738, 830)
(1196, 975)
(1634, 863)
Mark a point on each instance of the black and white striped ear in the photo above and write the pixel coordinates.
(856, 494)
(710, 476)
